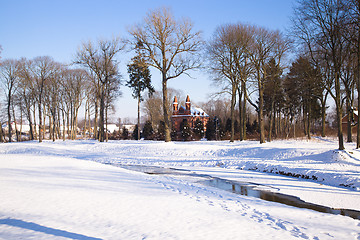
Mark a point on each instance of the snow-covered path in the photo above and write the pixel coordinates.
(48, 191)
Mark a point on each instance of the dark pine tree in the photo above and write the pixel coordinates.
(139, 80)
(124, 133)
(210, 130)
(236, 126)
(228, 125)
(198, 129)
(148, 131)
(186, 131)
(135, 134)
(161, 131)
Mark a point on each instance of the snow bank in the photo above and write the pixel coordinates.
(316, 160)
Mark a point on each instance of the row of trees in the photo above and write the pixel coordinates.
(328, 33)
(245, 59)
(40, 89)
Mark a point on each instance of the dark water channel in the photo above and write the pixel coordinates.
(243, 188)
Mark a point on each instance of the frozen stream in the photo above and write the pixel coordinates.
(264, 191)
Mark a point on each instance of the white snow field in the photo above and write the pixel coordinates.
(62, 190)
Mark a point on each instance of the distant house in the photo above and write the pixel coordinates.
(354, 118)
(129, 127)
(111, 127)
(23, 128)
(187, 113)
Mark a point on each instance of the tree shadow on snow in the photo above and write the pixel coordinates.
(43, 229)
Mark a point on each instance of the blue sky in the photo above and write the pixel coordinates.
(56, 28)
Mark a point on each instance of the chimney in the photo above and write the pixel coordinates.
(175, 105)
(187, 103)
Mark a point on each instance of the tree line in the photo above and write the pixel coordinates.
(42, 89)
(248, 62)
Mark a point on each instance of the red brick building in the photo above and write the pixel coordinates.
(354, 122)
(188, 113)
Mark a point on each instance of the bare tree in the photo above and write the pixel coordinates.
(112, 93)
(266, 45)
(169, 46)
(43, 70)
(26, 93)
(100, 60)
(9, 82)
(320, 25)
(74, 82)
(229, 63)
(353, 31)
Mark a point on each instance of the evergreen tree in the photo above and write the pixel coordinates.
(139, 80)
(198, 129)
(255, 126)
(210, 130)
(220, 127)
(161, 131)
(186, 131)
(148, 132)
(302, 86)
(228, 125)
(124, 133)
(236, 126)
(174, 133)
(135, 134)
(273, 93)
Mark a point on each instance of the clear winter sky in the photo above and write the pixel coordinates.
(56, 28)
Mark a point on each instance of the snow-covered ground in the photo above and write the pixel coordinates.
(61, 191)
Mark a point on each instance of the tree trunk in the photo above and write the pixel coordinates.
(338, 111)
(323, 117)
(102, 113)
(165, 108)
(277, 123)
(68, 124)
(59, 135)
(96, 136)
(106, 123)
(40, 122)
(30, 122)
(349, 120)
(271, 119)
(261, 111)
(89, 119)
(304, 120)
(51, 133)
(241, 125)
(44, 123)
(138, 120)
(86, 109)
(35, 128)
(9, 118)
(16, 127)
(1, 133)
(294, 128)
(64, 125)
(233, 102)
(308, 120)
(244, 113)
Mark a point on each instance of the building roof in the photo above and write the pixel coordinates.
(194, 111)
